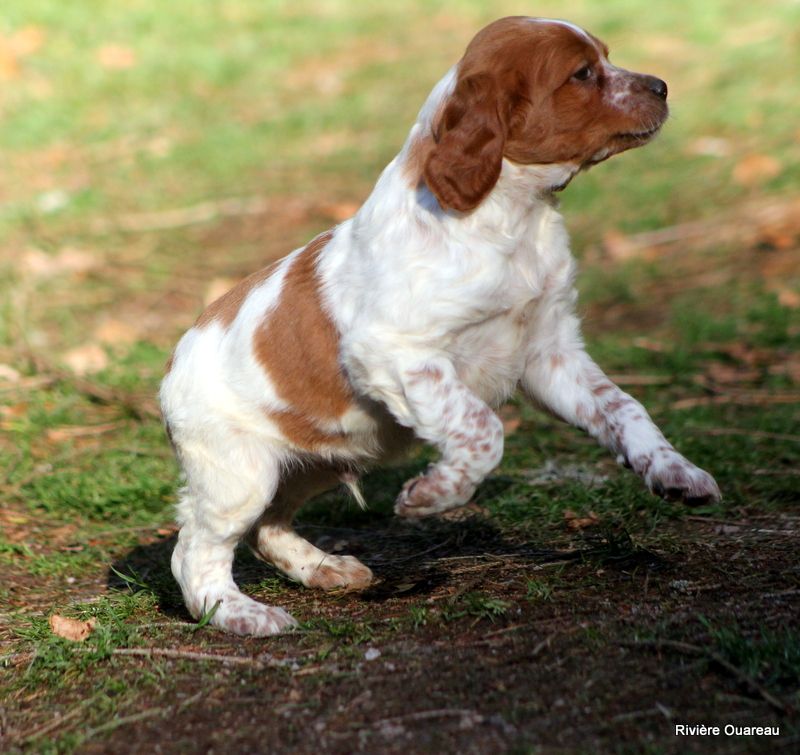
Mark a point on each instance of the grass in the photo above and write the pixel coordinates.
(111, 117)
(771, 656)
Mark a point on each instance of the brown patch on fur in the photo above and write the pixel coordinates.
(417, 156)
(298, 347)
(225, 309)
(170, 362)
(602, 388)
(615, 405)
(303, 431)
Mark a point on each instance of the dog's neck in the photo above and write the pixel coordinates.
(521, 192)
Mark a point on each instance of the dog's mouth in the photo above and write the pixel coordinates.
(622, 142)
(639, 137)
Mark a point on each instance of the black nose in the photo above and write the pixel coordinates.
(657, 87)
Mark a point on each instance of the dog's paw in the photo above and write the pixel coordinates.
(340, 571)
(431, 494)
(675, 478)
(238, 614)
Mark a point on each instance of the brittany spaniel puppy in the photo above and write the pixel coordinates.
(450, 287)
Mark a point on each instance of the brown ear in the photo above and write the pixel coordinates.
(470, 136)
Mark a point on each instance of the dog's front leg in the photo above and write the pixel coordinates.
(570, 384)
(444, 412)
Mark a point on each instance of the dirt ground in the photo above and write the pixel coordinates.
(572, 669)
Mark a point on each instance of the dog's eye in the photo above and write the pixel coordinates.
(583, 74)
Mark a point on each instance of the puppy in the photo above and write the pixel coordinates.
(451, 287)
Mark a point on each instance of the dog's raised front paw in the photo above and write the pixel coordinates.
(432, 493)
(675, 478)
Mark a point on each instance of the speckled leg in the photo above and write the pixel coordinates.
(227, 490)
(469, 435)
(273, 540)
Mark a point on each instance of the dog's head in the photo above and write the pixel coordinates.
(536, 92)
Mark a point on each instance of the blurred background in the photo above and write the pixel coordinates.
(148, 149)
(152, 153)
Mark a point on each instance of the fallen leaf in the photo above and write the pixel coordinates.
(755, 170)
(116, 57)
(116, 332)
(576, 522)
(9, 374)
(71, 629)
(618, 246)
(26, 41)
(339, 211)
(9, 65)
(788, 297)
(649, 344)
(86, 359)
(20, 44)
(13, 411)
(39, 264)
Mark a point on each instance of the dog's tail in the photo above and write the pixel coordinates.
(351, 480)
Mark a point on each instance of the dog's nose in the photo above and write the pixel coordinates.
(657, 87)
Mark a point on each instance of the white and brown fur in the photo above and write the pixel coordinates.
(451, 287)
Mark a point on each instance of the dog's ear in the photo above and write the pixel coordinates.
(470, 136)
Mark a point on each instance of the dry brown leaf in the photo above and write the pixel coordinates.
(86, 359)
(116, 57)
(116, 332)
(26, 41)
(576, 522)
(41, 265)
(13, 411)
(71, 629)
(20, 44)
(9, 65)
(756, 169)
(618, 246)
(8, 374)
(648, 344)
(788, 297)
(339, 211)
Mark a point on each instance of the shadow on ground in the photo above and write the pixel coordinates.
(409, 558)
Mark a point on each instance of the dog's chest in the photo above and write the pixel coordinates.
(490, 354)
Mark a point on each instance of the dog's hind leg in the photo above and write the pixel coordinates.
(227, 489)
(273, 540)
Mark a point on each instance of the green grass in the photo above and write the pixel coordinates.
(303, 105)
(769, 655)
